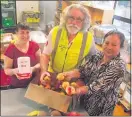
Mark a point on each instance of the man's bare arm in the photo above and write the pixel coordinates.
(44, 62)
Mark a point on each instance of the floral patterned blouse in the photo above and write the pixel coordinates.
(103, 82)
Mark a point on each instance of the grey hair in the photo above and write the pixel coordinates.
(87, 18)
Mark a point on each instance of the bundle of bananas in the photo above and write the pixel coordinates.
(37, 113)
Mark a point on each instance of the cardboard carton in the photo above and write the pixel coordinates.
(24, 64)
(48, 97)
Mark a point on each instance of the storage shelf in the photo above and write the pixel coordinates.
(8, 9)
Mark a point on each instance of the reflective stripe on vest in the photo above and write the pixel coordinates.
(68, 57)
(80, 58)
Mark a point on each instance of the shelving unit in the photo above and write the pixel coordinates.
(32, 18)
(8, 13)
(98, 15)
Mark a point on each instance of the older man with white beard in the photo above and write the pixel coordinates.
(68, 44)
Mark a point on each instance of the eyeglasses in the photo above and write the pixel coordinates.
(78, 20)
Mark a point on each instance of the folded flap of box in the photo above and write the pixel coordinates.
(48, 97)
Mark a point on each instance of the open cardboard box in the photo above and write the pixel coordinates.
(48, 97)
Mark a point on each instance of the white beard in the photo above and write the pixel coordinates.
(72, 29)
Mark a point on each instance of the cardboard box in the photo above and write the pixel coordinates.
(48, 97)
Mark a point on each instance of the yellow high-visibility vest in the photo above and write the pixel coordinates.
(67, 56)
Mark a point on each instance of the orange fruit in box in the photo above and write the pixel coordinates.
(70, 90)
(47, 78)
(65, 84)
(47, 82)
(60, 76)
(74, 84)
(47, 86)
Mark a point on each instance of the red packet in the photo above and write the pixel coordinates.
(24, 76)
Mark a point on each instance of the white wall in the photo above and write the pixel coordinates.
(26, 6)
(48, 9)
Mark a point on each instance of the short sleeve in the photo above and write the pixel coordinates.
(34, 46)
(9, 51)
(48, 47)
(93, 49)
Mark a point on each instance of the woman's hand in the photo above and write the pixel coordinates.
(20, 76)
(43, 74)
(71, 74)
(82, 90)
(15, 72)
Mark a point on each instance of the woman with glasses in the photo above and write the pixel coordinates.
(69, 43)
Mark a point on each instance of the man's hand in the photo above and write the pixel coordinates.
(43, 74)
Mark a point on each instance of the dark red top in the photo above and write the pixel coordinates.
(13, 53)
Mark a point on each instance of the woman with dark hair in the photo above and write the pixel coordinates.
(22, 47)
(102, 74)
